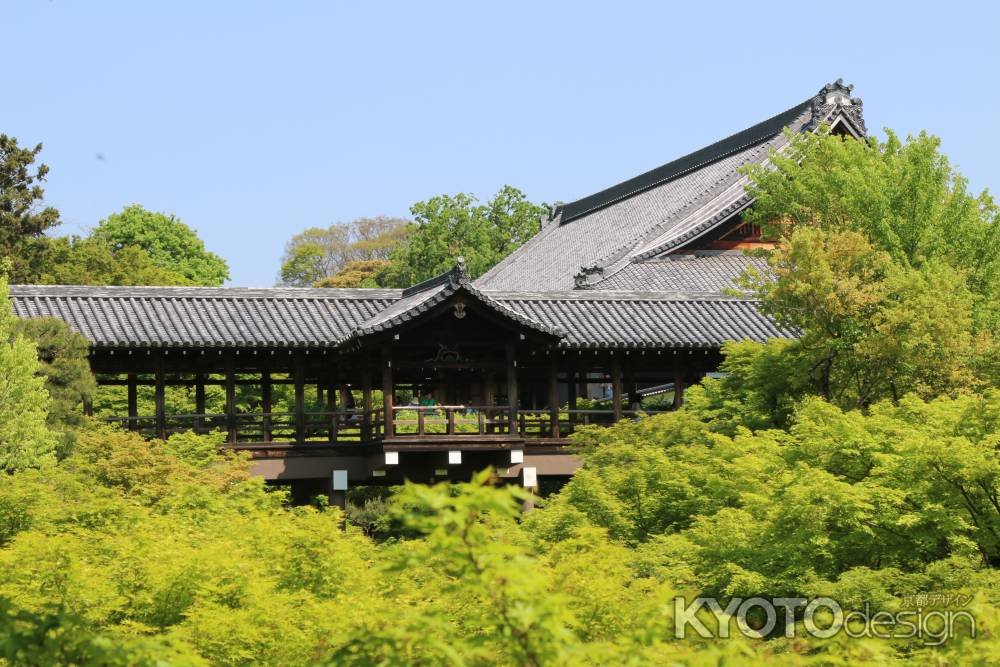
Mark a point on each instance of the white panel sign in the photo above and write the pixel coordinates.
(530, 477)
(378, 473)
(454, 457)
(392, 458)
(516, 456)
(340, 480)
(441, 472)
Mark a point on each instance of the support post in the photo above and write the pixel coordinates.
(616, 386)
(230, 399)
(266, 405)
(159, 399)
(553, 383)
(489, 398)
(133, 403)
(678, 384)
(511, 353)
(199, 402)
(572, 400)
(331, 407)
(300, 400)
(387, 391)
(366, 404)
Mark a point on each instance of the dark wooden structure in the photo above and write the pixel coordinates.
(629, 289)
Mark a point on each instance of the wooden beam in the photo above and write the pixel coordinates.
(553, 399)
(133, 403)
(489, 398)
(366, 404)
(159, 399)
(300, 400)
(266, 404)
(199, 401)
(387, 391)
(331, 406)
(616, 386)
(572, 398)
(231, 400)
(511, 353)
(678, 383)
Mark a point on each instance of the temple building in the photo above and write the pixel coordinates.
(620, 301)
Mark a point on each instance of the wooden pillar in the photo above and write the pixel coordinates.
(266, 405)
(678, 383)
(387, 393)
(366, 404)
(199, 402)
(572, 398)
(331, 407)
(230, 399)
(300, 399)
(553, 400)
(511, 353)
(616, 386)
(133, 403)
(159, 399)
(489, 398)
(630, 388)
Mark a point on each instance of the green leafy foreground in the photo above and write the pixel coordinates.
(130, 552)
(859, 462)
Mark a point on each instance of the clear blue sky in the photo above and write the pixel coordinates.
(254, 120)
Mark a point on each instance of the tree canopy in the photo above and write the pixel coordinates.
(884, 263)
(319, 254)
(23, 220)
(453, 226)
(26, 441)
(171, 246)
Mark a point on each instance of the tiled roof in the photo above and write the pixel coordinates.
(663, 209)
(647, 320)
(204, 317)
(736, 143)
(686, 273)
(641, 299)
(124, 317)
(423, 297)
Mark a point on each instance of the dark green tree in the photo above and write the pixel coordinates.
(23, 219)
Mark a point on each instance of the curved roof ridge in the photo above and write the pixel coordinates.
(627, 252)
(734, 143)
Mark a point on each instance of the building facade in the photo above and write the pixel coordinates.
(626, 293)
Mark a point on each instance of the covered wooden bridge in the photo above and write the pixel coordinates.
(623, 295)
(426, 383)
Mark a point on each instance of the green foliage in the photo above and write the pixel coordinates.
(63, 363)
(343, 252)
(22, 224)
(74, 260)
(171, 245)
(359, 273)
(449, 227)
(59, 638)
(26, 441)
(885, 265)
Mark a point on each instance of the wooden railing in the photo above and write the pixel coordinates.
(357, 426)
(430, 420)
